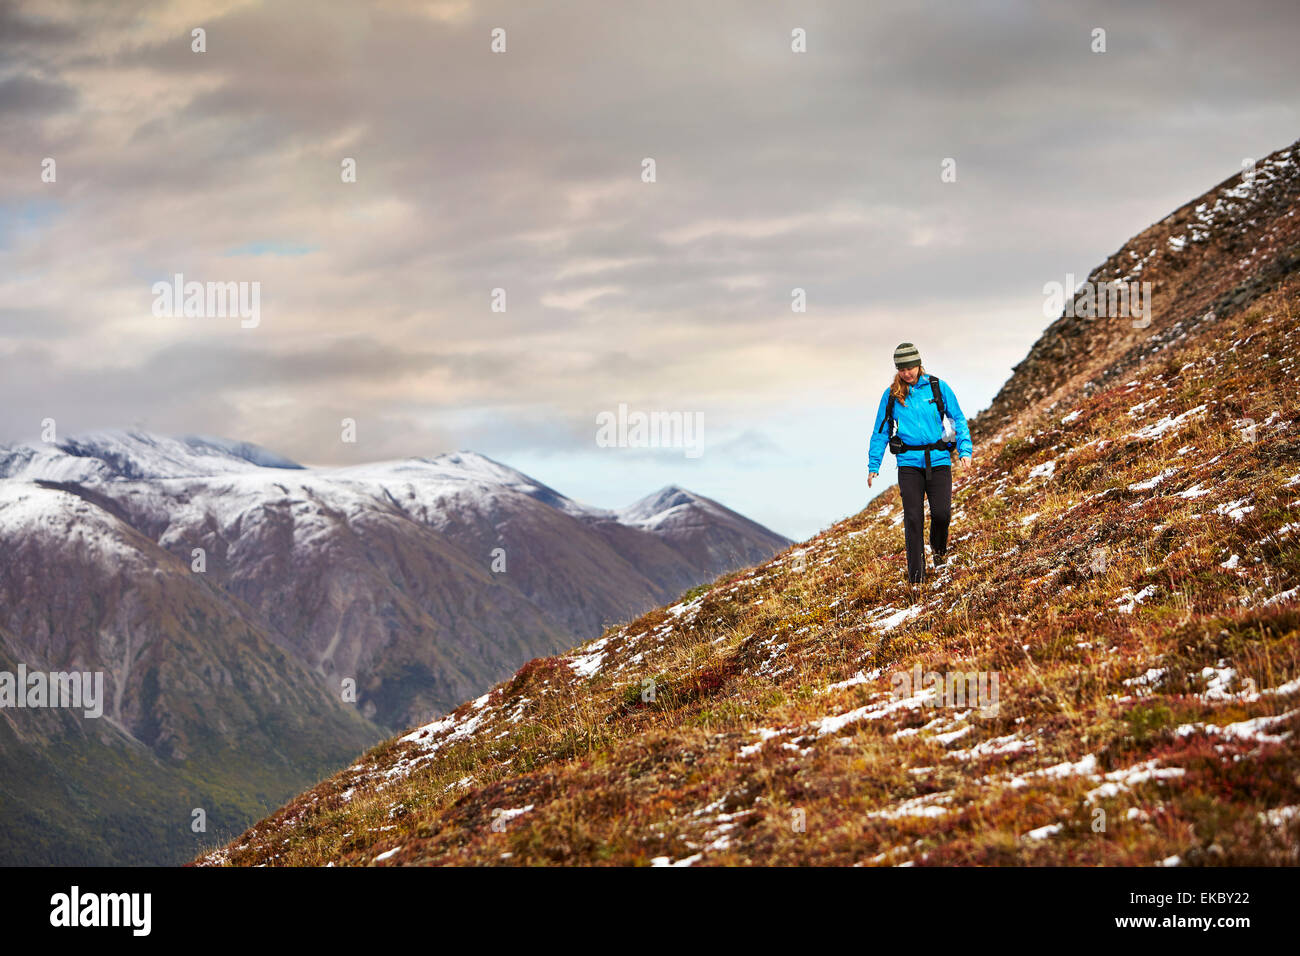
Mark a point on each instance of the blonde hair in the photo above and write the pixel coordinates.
(900, 389)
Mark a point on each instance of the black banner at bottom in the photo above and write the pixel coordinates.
(363, 907)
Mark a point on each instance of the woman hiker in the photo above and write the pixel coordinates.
(921, 422)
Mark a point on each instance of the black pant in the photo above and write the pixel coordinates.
(914, 487)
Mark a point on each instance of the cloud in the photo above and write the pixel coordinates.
(522, 171)
(751, 449)
(30, 94)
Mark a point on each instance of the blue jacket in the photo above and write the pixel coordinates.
(919, 424)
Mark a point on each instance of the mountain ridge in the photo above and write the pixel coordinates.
(1186, 250)
(382, 593)
(1124, 575)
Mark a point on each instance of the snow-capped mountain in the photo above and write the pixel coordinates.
(179, 566)
(133, 454)
(1106, 671)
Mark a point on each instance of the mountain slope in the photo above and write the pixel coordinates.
(1209, 257)
(201, 709)
(1124, 596)
(226, 593)
(424, 580)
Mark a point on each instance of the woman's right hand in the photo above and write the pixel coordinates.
(870, 475)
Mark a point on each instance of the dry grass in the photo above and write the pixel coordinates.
(1070, 588)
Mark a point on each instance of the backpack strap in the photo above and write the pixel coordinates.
(938, 397)
(897, 446)
(943, 413)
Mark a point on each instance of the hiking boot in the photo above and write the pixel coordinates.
(940, 559)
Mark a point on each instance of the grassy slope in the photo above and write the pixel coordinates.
(84, 803)
(75, 791)
(737, 744)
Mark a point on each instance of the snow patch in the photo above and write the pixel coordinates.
(1153, 481)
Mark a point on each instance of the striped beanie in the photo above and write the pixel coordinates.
(907, 355)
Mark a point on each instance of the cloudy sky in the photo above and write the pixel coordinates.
(523, 171)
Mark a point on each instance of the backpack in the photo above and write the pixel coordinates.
(898, 446)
